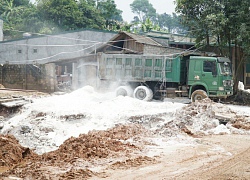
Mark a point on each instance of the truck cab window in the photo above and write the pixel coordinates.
(225, 68)
(207, 67)
(210, 66)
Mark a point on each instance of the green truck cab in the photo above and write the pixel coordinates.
(156, 76)
(209, 76)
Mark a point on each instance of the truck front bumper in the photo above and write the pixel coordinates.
(221, 94)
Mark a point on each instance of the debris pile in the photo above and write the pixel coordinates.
(96, 147)
(241, 122)
(98, 132)
(11, 152)
(243, 97)
(200, 118)
(128, 163)
(207, 117)
(97, 144)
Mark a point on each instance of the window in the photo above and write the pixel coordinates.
(147, 73)
(208, 66)
(128, 61)
(148, 62)
(158, 63)
(158, 74)
(34, 50)
(138, 62)
(109, 61)
(168, 65)
(118, 61)
(19, 51)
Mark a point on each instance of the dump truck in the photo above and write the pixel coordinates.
(158, 76)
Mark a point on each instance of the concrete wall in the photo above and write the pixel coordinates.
(1, 30)
(172, 37)
(156, 50)
(46, 49)
(31, 77)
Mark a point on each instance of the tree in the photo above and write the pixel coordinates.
(91, 16)
(147, 25)
(165, 21)
(63, 13)
(110, 13)
(143, 9)
(10, 11)
(21, 2)
(32, 22)
(226, 21)
(11, 14)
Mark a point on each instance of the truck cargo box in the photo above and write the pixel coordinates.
(140, 68)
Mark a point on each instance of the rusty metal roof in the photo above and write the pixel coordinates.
(125, 36)
(141, 39)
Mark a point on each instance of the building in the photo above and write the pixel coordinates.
(47, 62)
(69, 60)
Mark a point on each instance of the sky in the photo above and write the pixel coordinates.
(161, 6)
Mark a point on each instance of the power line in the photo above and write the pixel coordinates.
(41, 59)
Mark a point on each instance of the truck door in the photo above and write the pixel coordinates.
(194, 71)
(209, 74)
(203, 71)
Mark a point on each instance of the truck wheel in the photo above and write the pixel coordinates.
(124, 91)
(198, 95)
(143, 93)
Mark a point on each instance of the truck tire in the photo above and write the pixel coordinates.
(143, 93)
(198, 95)
(124, 91)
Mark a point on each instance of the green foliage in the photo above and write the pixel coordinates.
(147, 25)
(21, 2)
(63, 13)
(171, 23)
(143, 9)
(108, 10)
(53, 16)
(226, 21)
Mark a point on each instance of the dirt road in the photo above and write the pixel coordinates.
(216, 157)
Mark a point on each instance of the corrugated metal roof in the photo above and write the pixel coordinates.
(142, 39)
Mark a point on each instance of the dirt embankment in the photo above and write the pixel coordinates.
(75, 156)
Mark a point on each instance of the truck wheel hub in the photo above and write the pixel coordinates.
(141, 94)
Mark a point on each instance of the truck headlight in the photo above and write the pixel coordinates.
(221, 88)
(224, 83)
(232, 83)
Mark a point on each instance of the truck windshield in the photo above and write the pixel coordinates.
(225, 68)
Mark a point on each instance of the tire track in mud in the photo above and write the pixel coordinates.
(235, 167)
